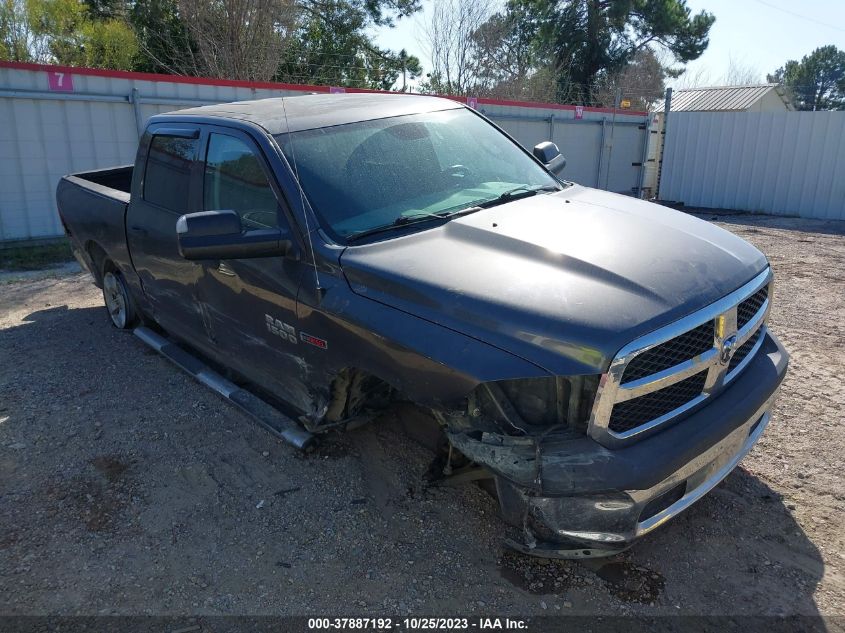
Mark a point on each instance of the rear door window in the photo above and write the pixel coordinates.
(236, 180)
(167, 177)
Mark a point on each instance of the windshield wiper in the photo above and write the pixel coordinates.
(523, 191)
(405, 220)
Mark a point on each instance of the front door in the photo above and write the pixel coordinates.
(251, 303)
(164, 189)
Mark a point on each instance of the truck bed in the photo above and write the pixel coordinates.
(92, 206)
(110, 182)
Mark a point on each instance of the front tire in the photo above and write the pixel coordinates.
(118, 300)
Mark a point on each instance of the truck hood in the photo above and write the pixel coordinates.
(563, 280)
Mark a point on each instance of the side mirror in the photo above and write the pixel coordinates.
(548, 154)
(219, 235)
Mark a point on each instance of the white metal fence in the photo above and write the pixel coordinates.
(601, 151)
(768, 162)
(55, 121)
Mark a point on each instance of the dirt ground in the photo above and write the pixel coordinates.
(127, 488)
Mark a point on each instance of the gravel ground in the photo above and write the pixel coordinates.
(127, 488)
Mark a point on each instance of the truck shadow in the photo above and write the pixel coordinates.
(103, 441)
(738, 551)
(740, 546)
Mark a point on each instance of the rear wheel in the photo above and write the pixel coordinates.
(118, 300)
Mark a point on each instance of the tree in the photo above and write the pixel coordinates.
(329, 45)
(590, 40)
(109, 43)
(309, 41)
(165, 46)
(105, 9)
(740, 73)
(694, 77)
(303, 41)
(507, 66)
(17, 39)
(411, 68)
(817, 82)
(449, 38)
(64, 32)
(238, 39)
(642, 81)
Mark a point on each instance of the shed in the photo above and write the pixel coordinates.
(742, 98)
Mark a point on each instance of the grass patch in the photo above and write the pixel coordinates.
(35, 257)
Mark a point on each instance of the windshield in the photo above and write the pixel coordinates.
(371, 174)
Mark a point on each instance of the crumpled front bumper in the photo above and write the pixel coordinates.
(606, 516)
(604, 524)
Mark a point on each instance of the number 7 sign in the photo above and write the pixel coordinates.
(60, 81)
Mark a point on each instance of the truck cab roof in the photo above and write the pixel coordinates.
(293, 114)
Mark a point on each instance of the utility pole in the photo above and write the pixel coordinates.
(617, 99)
(667, 106)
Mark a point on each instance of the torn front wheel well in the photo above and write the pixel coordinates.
(507, 425)
(352, 395)
(527, 406)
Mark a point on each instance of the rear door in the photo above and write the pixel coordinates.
(251, 303)
(165, 188)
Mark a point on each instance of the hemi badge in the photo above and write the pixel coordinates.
(313, 340)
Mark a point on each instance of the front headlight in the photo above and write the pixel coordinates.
(529, 405)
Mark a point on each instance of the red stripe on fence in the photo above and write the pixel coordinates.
(237, 83)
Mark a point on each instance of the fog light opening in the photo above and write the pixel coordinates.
(756, 424)
(661, 502)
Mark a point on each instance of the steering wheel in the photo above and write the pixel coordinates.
(459, 172)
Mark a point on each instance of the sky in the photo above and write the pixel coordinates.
(756, 35)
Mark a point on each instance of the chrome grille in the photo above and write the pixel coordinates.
(638, 411)
(664, 374)
(668, 354)
(746, 310)
(744, 350)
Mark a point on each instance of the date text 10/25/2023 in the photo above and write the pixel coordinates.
(419, 624)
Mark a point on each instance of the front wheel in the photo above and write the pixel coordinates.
(118, 300)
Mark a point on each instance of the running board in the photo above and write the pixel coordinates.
(263, 413)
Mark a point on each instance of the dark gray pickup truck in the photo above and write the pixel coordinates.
(599, 362)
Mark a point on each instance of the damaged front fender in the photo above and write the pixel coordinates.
(560, 463)
(530, 431)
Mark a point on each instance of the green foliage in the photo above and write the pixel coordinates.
(375, 12)
(64, 32)
(409, 66)
(330, 46)
(163, 41)
(108, 43)
(505, 51)
(59, 24)
(817, 82)
(304, 41)
(587, 41)
(14, 32)
(35, 257)
(105, 9)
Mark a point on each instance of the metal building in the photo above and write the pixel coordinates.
(740, 98)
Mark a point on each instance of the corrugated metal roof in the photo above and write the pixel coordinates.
(718, 98)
